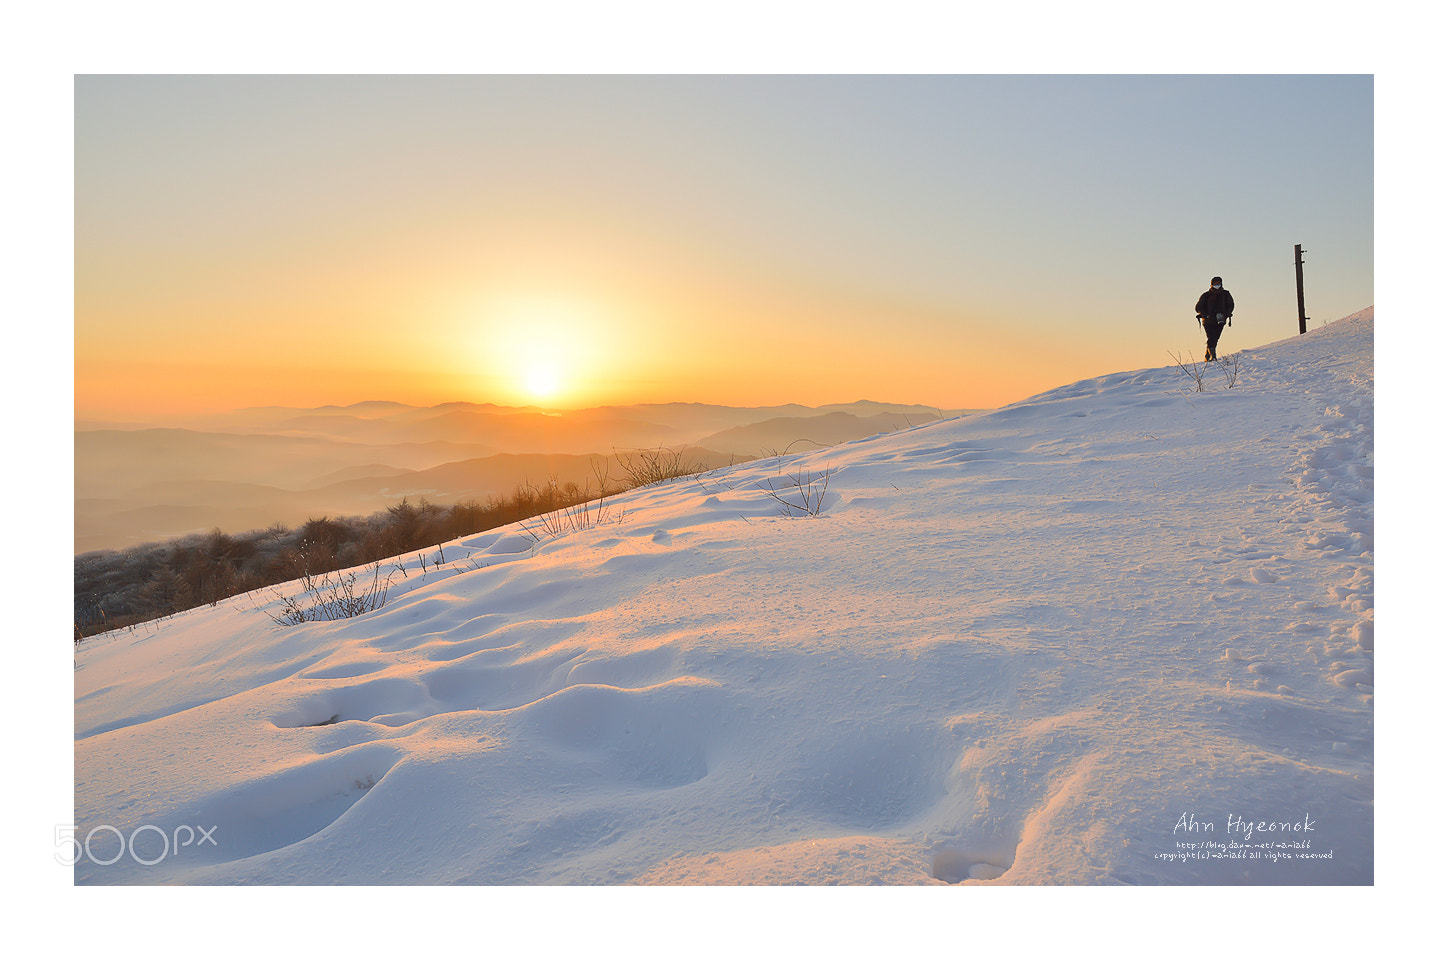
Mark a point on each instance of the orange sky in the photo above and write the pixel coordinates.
(572, 241)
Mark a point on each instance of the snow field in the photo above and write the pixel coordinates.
(1008, 649)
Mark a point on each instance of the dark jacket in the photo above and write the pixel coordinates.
(1214, 302)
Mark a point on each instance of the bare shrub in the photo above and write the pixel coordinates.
(332, 597)
(644, 468)
(606, 484)
(566, 520)
(1232, 369)
(574, 509)
(802, 494)
(1197, 371)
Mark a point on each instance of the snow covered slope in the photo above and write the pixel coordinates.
(1121, 632)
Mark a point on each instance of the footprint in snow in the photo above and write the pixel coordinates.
(953, 865)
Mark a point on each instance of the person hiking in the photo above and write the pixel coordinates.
(1214, 310)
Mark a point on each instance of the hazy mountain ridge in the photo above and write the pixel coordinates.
(112, 463)
(252, 468)
(782, 434)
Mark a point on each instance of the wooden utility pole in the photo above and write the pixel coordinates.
(1301, 304)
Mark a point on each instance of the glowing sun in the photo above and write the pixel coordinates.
(541, 379)
(543, 352)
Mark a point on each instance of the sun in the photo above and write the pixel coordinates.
(541, 351)
(541, 379)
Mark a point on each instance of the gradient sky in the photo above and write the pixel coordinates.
(952, 241)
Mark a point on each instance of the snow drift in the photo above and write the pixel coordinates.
(1119, 633)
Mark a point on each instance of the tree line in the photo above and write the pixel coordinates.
(119, 588)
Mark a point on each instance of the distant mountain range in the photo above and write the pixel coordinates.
(252, 468)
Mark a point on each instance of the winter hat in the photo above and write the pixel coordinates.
(1216, 280)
